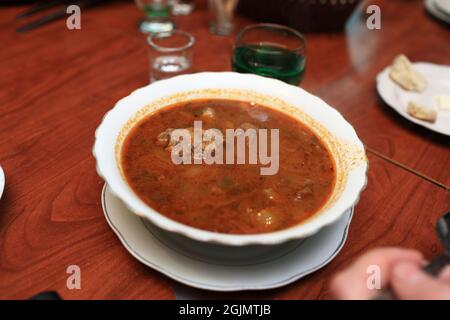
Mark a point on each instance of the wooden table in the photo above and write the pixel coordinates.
(57, 84)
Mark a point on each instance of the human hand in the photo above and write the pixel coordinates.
(401, 271)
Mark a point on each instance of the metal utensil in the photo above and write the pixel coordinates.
(40, 6)
(438, 263)
(443, 231)
(44, 20)
(54, 15)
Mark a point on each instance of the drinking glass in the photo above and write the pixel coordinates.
(181, 7)
(157, 16)
(270, 50)
(170, 54)
(221, 16)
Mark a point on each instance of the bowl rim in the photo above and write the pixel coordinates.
(303, 230)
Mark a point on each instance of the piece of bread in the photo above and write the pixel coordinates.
(443, 102)
(405, 76)
(421, 112)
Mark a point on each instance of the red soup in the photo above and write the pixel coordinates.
(228, 198)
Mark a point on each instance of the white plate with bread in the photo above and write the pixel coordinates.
(420, 92)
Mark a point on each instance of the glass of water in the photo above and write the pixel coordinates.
(170, 54)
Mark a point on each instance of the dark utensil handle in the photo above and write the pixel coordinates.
(385, 294)
(47, 295)
(433, 268)
(56, 15)
(40, 6)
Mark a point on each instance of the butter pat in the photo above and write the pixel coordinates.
(443, 102)
(421, 112)
(405, 76)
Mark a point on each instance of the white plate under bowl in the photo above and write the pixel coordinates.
(438, 77)
(435, 9)
(223, 268)
(2, 182)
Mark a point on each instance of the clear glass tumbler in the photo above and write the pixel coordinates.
(171, 54)
(221, 16)
(181, 7)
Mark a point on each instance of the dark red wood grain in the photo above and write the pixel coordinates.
(57, 84)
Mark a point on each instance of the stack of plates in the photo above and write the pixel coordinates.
(218, 267)
(439, 9)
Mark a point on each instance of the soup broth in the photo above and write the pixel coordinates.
(228, 198)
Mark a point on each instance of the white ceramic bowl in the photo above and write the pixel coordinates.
(340, 137)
